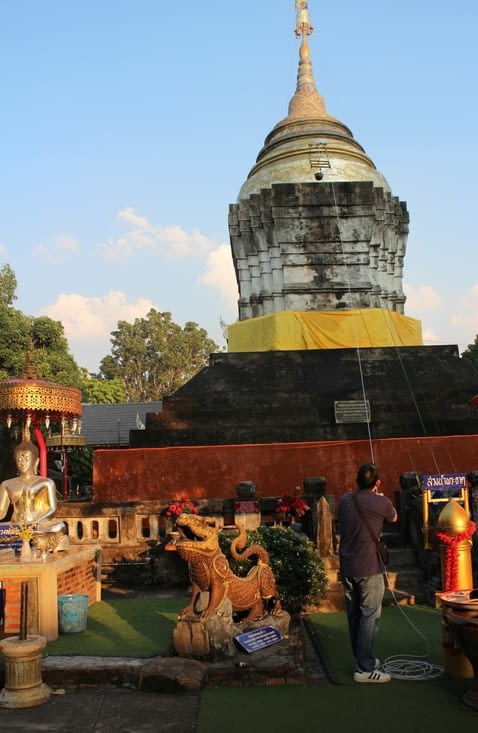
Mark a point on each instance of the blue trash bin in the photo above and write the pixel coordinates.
(72, 613)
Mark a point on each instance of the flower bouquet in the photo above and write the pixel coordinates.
(25, 533)
(173, 510)
(293, 507)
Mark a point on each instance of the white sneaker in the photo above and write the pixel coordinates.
(377, 663)
(374, 676)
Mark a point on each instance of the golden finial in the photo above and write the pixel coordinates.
(303, 26)
(29, 370)
(306, 101)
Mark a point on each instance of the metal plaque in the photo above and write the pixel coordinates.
(352, 411)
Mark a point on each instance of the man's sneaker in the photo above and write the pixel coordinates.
(377, 663)
(374, 676)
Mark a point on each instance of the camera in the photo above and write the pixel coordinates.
(318, 176)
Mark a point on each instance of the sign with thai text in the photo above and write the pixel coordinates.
(252, 641)
(8, 538)
(444, 481)
(352, 411)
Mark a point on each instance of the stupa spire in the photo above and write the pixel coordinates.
(306, 101)
(303, 26)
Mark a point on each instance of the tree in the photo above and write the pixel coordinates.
(154, 356)
(103, 391)
(8, 285)
(471, 352)
(44, 339)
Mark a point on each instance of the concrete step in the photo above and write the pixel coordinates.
(404, 581)
(395, 597)
(401, 557)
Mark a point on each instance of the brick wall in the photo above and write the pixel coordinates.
(12, 599)
(79, 579)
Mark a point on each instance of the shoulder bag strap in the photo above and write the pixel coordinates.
(364, 519)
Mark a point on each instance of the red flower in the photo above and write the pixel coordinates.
(451, 543)
(180, 507)
(292, 506)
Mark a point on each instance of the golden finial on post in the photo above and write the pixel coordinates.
(303, 25)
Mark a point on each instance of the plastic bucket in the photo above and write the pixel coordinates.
(72, 613)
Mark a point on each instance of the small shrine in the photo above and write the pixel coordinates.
(34, 545)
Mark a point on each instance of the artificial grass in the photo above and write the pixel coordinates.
(432, 706)
(143, 627)
(123, 628)
(403, 630)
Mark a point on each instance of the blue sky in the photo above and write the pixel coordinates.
(127, 128)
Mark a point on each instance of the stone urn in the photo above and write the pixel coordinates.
(315, 486)
(246, 490)
(463, 627)
(23, 683)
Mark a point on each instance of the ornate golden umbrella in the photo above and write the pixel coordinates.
(31, 402)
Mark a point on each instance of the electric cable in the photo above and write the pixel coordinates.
(359, 358)
(407, 666)
(394, 341)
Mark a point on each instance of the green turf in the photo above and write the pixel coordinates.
(403, 630)
(123, 628)
(143, 627)
(432, 706)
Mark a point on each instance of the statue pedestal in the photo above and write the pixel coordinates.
(77, 570)
(212, 639)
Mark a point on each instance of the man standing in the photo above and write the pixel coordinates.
(361, 569)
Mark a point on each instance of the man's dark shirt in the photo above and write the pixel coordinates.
(357, 551)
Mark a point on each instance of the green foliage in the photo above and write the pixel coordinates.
(51, 359)
(102, 391)
(153, 356)
(80, 467)
(8, 285)
(299, 570)
(471, 352)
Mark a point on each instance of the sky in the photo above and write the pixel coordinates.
(127, 127)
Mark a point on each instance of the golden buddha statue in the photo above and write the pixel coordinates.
(33, 499)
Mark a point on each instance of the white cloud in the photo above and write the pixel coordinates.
(143, 235)
(454, 321)
(220, 275)
(94, 318)
(423, 299)
(3, 249)
(59, 247)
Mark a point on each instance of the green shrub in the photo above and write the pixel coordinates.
(299, 571)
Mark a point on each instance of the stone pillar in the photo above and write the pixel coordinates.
(23, 683)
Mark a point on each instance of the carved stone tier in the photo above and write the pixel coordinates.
(308, 246)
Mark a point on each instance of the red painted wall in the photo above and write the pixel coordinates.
(140, 474)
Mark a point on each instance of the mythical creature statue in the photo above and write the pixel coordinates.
(198, 545)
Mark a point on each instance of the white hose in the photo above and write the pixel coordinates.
(411, 668)
(408, 667)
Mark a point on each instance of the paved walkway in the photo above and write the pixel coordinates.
(112, 706)
(110, 710)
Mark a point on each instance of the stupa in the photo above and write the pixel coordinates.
(322, 359)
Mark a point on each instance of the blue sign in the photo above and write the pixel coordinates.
(444, 481)
(8, 538)
(252, 641)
